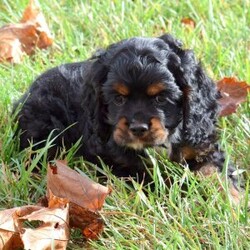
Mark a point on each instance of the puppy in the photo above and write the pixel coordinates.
(136, 94)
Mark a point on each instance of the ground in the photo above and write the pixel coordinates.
(168, 218)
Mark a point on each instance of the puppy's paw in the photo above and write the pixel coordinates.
(235, 194)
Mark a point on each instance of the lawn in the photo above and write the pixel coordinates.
(168, 218)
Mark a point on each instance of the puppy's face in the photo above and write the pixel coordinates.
(144, 101)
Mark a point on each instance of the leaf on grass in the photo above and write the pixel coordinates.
(85, 198)
(89, 222)
(188, 22)
(8, 217)
(93, 230)
(53, 228)
(10, 240)
(53, 231)
(64, 182)
(73, 201)
(233, 92)
(25, 37)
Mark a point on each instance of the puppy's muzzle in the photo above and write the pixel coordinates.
(138, 128)
(139, 134)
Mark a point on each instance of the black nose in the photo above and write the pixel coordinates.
(138, 129)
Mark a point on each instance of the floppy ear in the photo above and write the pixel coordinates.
(200, 107)
(172, 42)
(203, 106)
(96, 77)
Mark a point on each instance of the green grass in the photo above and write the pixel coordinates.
(167, 218)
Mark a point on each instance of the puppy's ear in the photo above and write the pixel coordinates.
(172, 42)
(200, 102)
(200, 107)
(203, 107)
(97, 76)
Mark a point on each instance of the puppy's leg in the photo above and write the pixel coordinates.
(209, 163)
(209, 170)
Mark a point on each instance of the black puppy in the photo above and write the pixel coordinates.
(138, 93)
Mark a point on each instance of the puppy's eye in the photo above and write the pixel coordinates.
(119, 100)
(160, 99)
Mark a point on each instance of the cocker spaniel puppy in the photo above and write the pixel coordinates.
(136, 94)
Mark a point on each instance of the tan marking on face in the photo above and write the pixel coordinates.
(188, 153)
(155, 89)
(159, 133)
(121, 130)
(136, 145)
(121, 89)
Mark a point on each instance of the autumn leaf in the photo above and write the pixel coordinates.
(64, 182)
(233, 93)
(75, 206)
(53, 227)
(188, 22)
(89, 222)
(23, 38)
(85, 198)
(8, 217)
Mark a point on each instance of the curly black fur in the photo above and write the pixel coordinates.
(138, 93)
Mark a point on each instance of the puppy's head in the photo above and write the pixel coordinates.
(144, 101)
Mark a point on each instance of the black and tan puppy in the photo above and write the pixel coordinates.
(138, 93)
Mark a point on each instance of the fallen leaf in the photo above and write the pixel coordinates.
(89, 222)
(10, 240)
(8, 217)
(24, 37)
(10, 47)
(85, 198)
(32, 14)
(64, 182)
(188, 22)
(53, 233)
(53, 228)
(93, 230)
(233, 92)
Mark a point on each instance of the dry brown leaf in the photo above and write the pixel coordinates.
(53, 233)
(10, 240)
(8, 217)
(32, 14)
(56, 202)
(93, 230)
(85, 197)
(67, 183)
(89, 222)
(9, 226)
(53, 228)
(188, 22)
(10, 47)
(25, 37)
(233, 92)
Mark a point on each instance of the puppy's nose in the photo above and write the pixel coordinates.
(138, 129)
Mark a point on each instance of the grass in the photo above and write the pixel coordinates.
(168, 218)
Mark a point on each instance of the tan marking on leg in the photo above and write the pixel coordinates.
(235, 195)
(207, 170)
